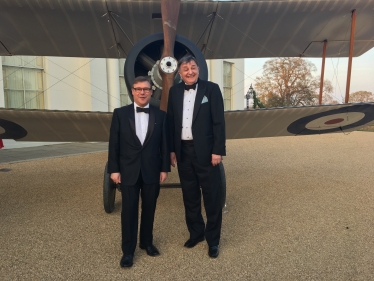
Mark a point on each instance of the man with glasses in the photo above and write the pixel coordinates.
(138, 160)
(197, 124)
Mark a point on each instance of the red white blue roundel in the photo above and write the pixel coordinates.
(333, 120)
(11, 130)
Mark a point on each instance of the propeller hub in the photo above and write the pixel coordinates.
(168, 65)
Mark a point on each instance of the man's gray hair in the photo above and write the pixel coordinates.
(187, 59)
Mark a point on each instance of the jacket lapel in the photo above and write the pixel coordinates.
(131, 117)
(151, 124)
(198, 99)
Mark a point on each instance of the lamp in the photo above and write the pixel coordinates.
(249, 95)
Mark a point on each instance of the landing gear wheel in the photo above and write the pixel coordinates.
(109, 191)
(223, 184)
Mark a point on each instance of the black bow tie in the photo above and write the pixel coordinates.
(189, 87)
(142, 109)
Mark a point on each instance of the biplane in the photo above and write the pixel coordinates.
(153, 35)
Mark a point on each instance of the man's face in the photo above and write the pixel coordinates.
(142, 93)
(189, 72)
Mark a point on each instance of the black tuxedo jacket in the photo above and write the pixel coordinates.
(126, 153)
(208, 123)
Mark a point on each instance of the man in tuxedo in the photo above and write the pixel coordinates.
(197, 126)
(138, 160)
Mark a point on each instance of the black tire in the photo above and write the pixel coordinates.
(109, 191)
(223, 184)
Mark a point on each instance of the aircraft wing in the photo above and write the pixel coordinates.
(54, 125)
(233, 29)
(296, 121)
(79, 126)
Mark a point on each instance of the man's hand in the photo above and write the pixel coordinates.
(173, 159)
(116, 177)
(163, 176)
(216, 159)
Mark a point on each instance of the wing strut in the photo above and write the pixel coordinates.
(211, 21)
(351, 43)
(118, 45)
(111, 19)
(119, 26)
(322, 71)
(9, 53)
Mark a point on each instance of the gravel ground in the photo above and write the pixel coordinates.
(298, 208)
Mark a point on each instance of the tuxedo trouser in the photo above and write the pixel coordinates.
(129, 214)
(193, 176)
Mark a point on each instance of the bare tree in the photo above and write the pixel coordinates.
(327, 98)
(361, 96)
(289, 82)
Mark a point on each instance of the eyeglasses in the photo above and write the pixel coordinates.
(139, 90)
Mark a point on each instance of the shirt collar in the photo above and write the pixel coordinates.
(135, 105)
(196, 82)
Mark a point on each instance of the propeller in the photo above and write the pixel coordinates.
(168, 64)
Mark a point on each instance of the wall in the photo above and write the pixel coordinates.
(238, 83)
(68, 83)
(99, 90)
(2, 99)
(215, 68)
(81, 83)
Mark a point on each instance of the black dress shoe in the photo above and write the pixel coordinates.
(190, 243)
(151, 250)
(126, 261)
(213, 251)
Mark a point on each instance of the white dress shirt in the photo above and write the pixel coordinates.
(188, 106)
(141, 123)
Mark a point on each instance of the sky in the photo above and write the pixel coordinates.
(362, 78)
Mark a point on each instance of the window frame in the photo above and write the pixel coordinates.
(227, 87)
(40, 93)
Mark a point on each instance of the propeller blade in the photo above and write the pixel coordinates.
(146, 61)
(170, 13)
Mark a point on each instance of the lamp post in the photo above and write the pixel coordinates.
(249, 95)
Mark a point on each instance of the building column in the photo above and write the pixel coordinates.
(112, 72)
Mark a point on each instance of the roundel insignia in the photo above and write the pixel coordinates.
(11, 130)
(333, 120)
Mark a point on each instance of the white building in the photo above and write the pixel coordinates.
(89, 84)
(92, 84)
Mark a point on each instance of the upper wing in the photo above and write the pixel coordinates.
(240, 29)
(66, 126)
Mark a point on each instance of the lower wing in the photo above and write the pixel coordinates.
(79, 126)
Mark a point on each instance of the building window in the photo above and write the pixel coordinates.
(23, 82)
(124, 94)
(227, 85)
